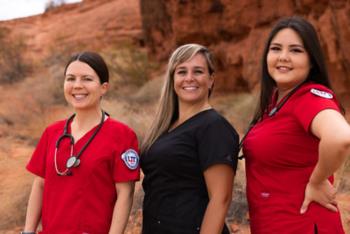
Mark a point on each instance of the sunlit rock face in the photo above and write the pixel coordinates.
(236, 30)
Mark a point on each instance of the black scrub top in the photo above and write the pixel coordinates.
(176, 196)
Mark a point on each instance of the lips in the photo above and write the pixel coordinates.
(284, 68)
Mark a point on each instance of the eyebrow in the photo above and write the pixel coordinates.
(84, 75)
(292, 45)
(195, 67)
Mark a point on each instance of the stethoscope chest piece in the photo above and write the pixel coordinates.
(72, 162)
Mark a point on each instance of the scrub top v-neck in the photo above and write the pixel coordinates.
(84, 201)
(281, 153)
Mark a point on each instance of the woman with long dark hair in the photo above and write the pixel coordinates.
(298, 137)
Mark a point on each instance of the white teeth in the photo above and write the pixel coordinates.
(190, 88)
(283, 68)
(79, 96)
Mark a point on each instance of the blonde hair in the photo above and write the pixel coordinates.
(168, 110)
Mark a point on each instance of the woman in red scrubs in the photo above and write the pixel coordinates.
(85, 166)
(298, 138)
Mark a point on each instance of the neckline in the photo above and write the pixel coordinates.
(88, 133)
(278, 105)
(189, 119)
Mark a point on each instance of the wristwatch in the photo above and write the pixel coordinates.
(27, 232)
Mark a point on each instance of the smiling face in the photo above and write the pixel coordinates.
(82, 87)
(288, 62)
(192, 81)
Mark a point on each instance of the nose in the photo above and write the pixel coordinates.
(284, 56)
(77, 84)
(189, 77)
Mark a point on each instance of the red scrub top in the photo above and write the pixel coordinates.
(84, 201)
(281, 154)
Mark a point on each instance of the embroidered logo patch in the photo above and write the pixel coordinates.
(131, 159)
(321, 93)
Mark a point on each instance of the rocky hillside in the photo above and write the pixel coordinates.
(92, 24)
(234, 30)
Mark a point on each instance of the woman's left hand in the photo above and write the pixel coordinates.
(323, 193)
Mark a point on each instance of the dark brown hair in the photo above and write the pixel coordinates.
(318, 72)
(95, 61)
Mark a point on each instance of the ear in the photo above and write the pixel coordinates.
(104, 88)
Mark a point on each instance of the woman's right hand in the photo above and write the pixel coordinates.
(323, 193)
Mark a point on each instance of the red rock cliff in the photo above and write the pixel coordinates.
(236, 31)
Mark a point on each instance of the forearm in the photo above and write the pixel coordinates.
(219, 181)
(121, 213)
(214, 217)
(332, 155)
(34, 205)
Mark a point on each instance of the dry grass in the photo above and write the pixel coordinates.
(129, 66)
(15, 182)
(13, 65)
(33, 115)
(238, 108)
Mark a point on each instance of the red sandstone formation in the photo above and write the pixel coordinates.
(236, 31)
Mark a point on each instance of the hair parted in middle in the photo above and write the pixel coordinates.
(318, 72)
(168, 110)
(95, 61)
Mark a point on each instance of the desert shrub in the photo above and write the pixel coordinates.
(59, 51)
(13, 65)
(129, 65)
(55, 62)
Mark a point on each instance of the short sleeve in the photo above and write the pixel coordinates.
(127, 162)
(37, 163)
(311, 102)
(218, 144)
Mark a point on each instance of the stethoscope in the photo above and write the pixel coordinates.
(73, 160)
(270, 114)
